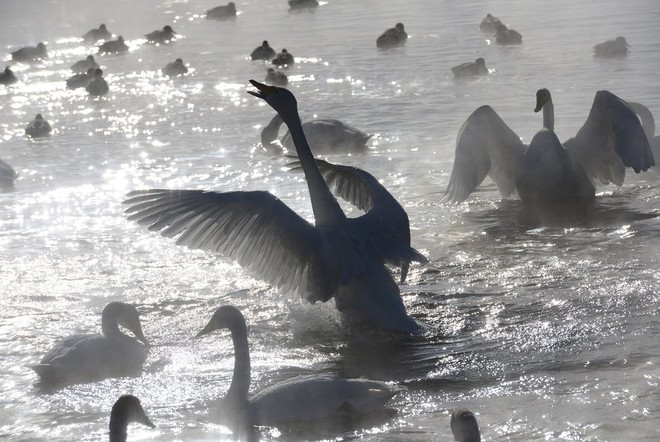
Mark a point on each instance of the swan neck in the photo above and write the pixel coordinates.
(109, 325)
(240, 382)
(271, 131)
(118, 428)
(549, 116)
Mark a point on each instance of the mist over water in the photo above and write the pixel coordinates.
(546, 328)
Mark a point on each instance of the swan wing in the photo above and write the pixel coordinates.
(646, 118)
(610, 140)
(485, 146)
(329, 135)
(254, 228)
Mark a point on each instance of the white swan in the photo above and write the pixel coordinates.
(126, 409)
(294, 401)
(324, 135)
(464, 425)
(80, 358)
(336, 258)
(610, 140)
(7, 174)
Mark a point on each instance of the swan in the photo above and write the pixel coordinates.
(276, 78)
(7, 174)
(392, 37)
(29, 54)
(294, 401)
(283, 59)
(616, 48)
(490, 23)
(648, 124)
(222, 12)
(126, 409)
(82, 66)
(323, 135)
(505, 36)
(175, 68)
(79, 358)
(97, 86)
(8, 76)
(80, 80)
(38, 127)
(114, 46)
(337, 257)
(94, 35)
(161, 36)
(470, 69)
(263, 52)
(610, 140)
(464, 425)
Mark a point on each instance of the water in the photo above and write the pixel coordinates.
(548, 332)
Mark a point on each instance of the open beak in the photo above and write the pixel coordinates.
(264, 89)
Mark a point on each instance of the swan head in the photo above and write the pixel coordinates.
(464, 426)
(127, 409)
(127, 316)
(280, 99)
(542, 98)
(226, 316)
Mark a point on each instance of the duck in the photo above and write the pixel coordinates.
(82, 66)
(125, 410)
(336, 258)
(38, 127)
(161, 36)
(507, 37)
(276, 78)
(222, 12)
(325, 135)
(94, 35)
(283, 59)
(303, 4)
(547, 170)
(29, 54)
(97, 86)
(470, 69)
(617, 48)
(114, 46)
(490, 24)
(81, 358)
(8, 77)
(392, 37)
(464, 425)
(80, 80)
(175, 68)
(263, 52)
(293, 402)
(7, 174)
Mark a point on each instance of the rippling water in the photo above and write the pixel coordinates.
(548, 331)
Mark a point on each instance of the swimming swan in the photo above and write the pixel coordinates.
(338, 257)
(324, 136)
(297, 400)
(126, 409)
(80, 358)
(610, 140)
(464, 425)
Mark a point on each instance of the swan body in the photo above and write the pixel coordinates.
(324, 135)
(263, 52)
(97, 86)
(276, 78)
(82, 66)
(94, 35)
(616, 48)
(489, 24)
(7, 173)
(505, 36)
(114, 46)
(38, 127)
(125, 410)
(295, 401)
(464, 425)
(29, 54)
(337, 257)
(610, 140)
(8, 77)
(283, 59)
(161, 36)
(392, 37)
(175, 68)
(80, 80)
(222, 12)
(471, 69)
(89, 357)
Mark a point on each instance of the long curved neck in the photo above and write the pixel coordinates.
(118, 427)
(549, 115)
(270, 132)
(240, 382)
(324, 205)
(109, 322)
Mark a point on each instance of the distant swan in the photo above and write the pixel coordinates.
(338, 257)
(94, 35)
(7, 174)
(610, 140)
(80, 358)
(294, 401)
(7, 76)
(464, 425)
(161, 36)
(126, 409)
(616, 48)
(471, 69)
(392, 37)
(324, 136)
(38, 127)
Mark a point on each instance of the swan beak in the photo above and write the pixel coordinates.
(206, 330)
(143, 419)
(264, 89)
(539, 103)
(140, 336)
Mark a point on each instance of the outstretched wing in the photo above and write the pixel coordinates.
(610, 140)
(485, 146)
(254, 228)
